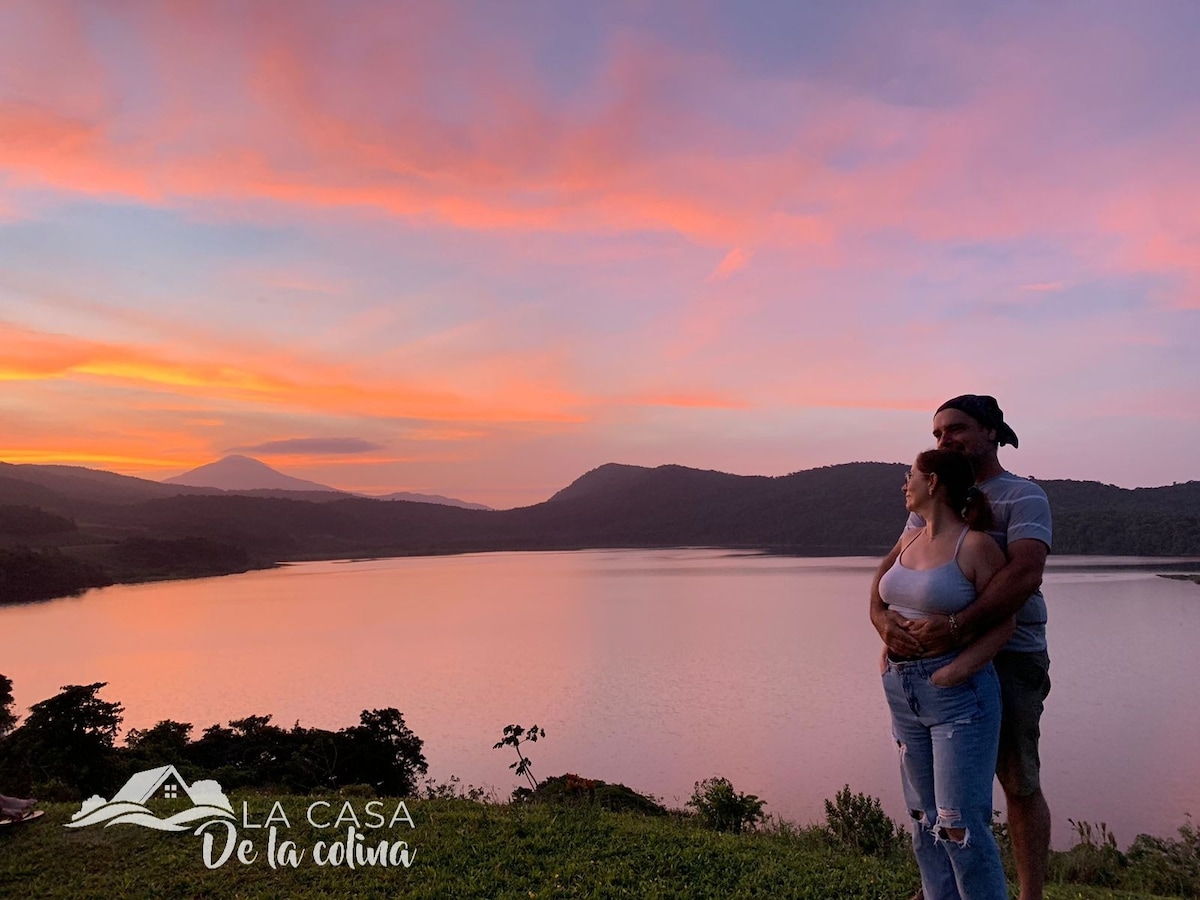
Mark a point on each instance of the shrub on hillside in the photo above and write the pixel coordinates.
(1164, 865)
(1095, 859)
(721, 807)
(857, 822)
(574, 790)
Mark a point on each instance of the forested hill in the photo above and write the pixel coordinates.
(123, 529)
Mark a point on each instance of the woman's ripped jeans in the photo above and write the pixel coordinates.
(947, 739)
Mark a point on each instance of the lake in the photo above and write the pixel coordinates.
(653, 668)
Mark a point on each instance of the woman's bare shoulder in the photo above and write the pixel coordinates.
(981, 546)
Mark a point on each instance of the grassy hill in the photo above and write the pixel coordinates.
(465, 849)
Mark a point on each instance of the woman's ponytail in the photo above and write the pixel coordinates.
(977, 511)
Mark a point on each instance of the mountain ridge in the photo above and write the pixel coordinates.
(244, 473)
(411, 497)
(849, 509)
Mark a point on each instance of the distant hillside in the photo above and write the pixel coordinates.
(410, 497)
(1100, 518)
(58, 485)
(244, 473)
(849, 509)
(247, 475)
(845, 510)
(607, 478)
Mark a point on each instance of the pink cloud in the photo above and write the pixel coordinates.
(734, 261)
(295, 124)
(693, 399)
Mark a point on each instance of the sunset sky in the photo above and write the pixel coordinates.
(478, 249)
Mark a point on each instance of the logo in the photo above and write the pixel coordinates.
(161, 786)
(153, 799)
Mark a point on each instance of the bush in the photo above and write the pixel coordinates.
(54, 790)
(857, 822)
(1095, 859)
(1165, 866)
(453, 790)
(573, 790)
(722, 808)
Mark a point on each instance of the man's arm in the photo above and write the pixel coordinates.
(974, 656)
(892, 627)
(1005, 594)
(981, 559)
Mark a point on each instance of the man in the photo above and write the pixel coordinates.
(974, 426)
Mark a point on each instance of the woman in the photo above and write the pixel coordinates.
(946, 709)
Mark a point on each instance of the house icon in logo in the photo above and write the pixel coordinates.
(130, 804)
(163, 783)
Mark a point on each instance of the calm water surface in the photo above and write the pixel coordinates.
(653, 668)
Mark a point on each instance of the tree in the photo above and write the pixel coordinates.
(7, 717)
(514, 736)
(68, 738)
(383, 752)
(165, 743)
(251, 751)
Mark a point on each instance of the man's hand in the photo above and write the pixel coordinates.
(949, 675)
(934, 635)
(897, 634)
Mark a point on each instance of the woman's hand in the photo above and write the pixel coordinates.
(896, 632)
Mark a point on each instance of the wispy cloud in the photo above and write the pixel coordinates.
(309, 447)
(734, 260)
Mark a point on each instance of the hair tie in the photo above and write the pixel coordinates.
(972, 495)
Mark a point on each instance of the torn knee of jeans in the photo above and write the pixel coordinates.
(949, 827)
(918, 816)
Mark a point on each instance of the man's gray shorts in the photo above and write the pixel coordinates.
(1024, 684)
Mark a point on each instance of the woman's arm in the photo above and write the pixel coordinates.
(980, 559)
(892, 627)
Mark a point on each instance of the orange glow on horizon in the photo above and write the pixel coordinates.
(314, 386)
(93, 459)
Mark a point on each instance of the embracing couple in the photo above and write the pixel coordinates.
(965, 670)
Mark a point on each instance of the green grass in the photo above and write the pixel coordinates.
(465, 850)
